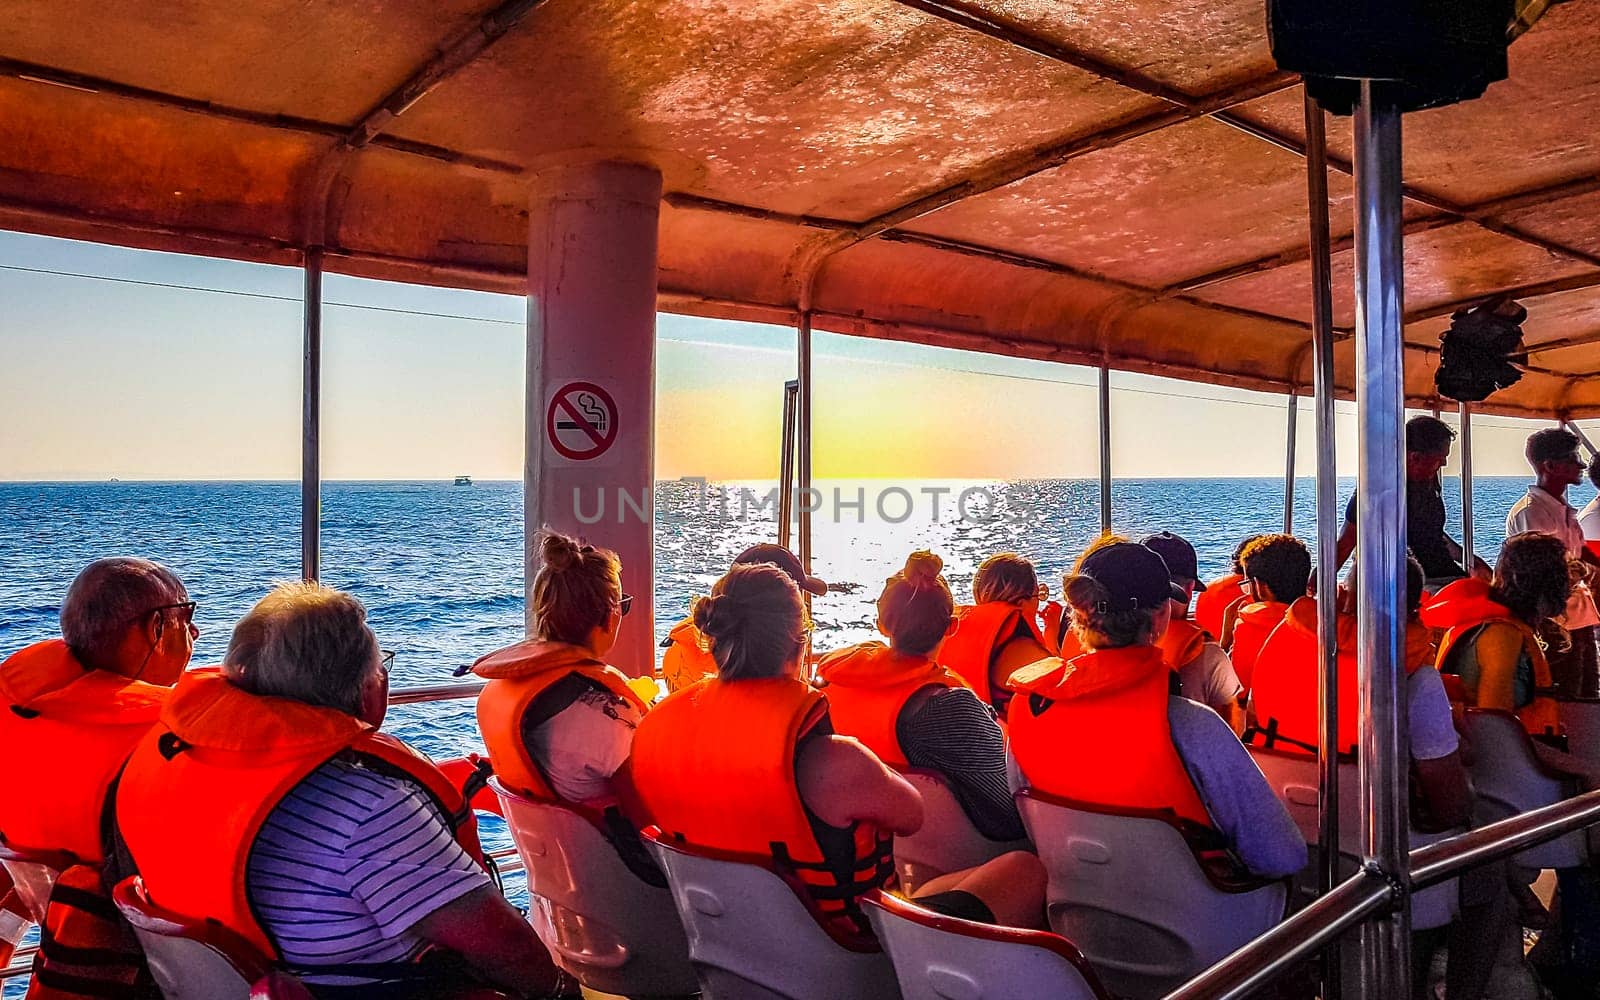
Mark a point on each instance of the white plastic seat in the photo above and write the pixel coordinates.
(198, 961)
(1510, 780)
(34, 876)
(1294, 779)
(1128, 891)
(751, 937)
(944, 958)
(601, 922)
(947, 841)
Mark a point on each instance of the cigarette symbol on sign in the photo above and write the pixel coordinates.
(594, 415)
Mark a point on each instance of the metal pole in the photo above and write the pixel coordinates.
(1466, 487)
(791, 394)
(1381, 512)
(804, 414)
(1288, 463)
(1581, 436)
(1327, 505)
(311, 423)
(1105, 448)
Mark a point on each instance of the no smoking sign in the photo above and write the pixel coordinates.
(581, 421)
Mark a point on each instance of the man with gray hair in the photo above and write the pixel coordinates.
(267, 800)
(71, 711)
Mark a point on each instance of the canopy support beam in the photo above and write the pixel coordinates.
(803, 486)
(1327, 505)
(1288, 462)
(1386, 940)
(311, 422)
(1104, 384)
(1466, 487)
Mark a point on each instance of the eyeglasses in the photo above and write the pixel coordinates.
(185, 610)
(626, 604)
(386, 661)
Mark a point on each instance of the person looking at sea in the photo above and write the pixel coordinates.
(1001, 630)
(266, 800)
(1277, 570)
(77, 705)
(1427, 450)
(1205, 674)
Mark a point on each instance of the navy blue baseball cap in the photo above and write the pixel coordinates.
(1135, 575)
(1178, 554)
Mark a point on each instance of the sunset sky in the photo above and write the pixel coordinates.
(155, 366)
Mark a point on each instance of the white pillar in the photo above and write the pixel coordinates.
(590, 458)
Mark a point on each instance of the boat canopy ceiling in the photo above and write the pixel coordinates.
(1059, 179)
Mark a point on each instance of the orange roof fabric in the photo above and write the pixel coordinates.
(1067, 181)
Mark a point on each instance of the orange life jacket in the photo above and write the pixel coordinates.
(1255, 623)
(1094, 730)
(518, 675)
(981, 631)
(86, 949)
(199, 787)
(1284, 696)
(1181, 643)
(1462, 608)
(868, 686)
(687, 660)
(1211, 603)
(67, 730)
(714, 767)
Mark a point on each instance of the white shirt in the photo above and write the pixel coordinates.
(582, 745)
(1209, 678)
(1589, 519)
(1538, 510)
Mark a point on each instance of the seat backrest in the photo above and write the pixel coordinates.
(1510, 780)
(33, 876)
(1580, 720)
(189, 961)
(1129, 893)
(751, 938)
(944, 958)
(601, 922)
(1295, 779)
(947, 841)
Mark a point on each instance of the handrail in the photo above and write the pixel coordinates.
(1435, 863)
(435, 692)
(1297, 938)
(1319, 924)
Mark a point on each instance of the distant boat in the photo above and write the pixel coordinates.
(463, 480)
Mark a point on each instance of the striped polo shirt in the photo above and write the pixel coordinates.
(347, 864)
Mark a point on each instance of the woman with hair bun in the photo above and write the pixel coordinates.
(914, 712)
(1102, 728)
(558, 721)
(1000, 631)
(746, 762)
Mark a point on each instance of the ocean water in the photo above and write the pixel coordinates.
(440, 567)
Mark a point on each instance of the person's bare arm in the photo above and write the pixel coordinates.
(494, 940)
(843, 782)
(1345, 545)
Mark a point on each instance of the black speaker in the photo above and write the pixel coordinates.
(1478, 355)
(1427, 53)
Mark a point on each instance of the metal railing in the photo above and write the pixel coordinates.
(506, 858)
(1365, 894)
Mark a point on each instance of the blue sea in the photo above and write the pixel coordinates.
(440, 567)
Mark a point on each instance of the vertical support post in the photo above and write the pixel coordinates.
(1466, 487)
(590, 455)
(803, 486)
(791, 399)
(1380, 510)
(1288, 463)
(311, 422)
(1105, 448)
(1327, 507)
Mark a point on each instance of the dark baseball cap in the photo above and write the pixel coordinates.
(1136, 576)
(1178, 554)
(785, 560)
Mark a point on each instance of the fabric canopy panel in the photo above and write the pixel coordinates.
(1069, 181)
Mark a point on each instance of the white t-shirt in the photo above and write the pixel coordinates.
(1209, 678)
(1589, 519)
(581, 746)
(1538, 510)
